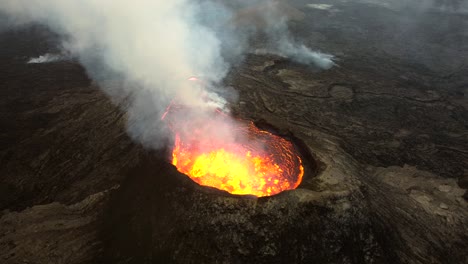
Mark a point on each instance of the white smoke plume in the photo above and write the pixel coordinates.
(151, 47)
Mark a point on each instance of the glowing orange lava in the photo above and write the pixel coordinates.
(248, 161)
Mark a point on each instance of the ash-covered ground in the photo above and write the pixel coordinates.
(386, 127)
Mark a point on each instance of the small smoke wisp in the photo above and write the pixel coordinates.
(320, 6)
(304, 55)
(300, 54)
(271, 19)
(46, 58)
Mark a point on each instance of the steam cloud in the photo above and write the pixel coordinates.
(152, 47)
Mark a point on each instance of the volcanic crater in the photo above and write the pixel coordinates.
(298, 161)
(234, 155)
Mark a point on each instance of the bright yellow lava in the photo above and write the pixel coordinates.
(237, 169)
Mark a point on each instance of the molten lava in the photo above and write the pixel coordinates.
(232, 155)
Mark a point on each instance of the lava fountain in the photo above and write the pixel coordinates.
(216, 150)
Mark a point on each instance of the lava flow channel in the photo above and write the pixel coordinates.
(256, 163)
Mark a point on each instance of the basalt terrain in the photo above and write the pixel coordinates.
(383, 136)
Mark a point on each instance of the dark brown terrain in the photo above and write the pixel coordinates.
(386, 129)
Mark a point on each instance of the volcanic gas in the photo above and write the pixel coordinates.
(216, 150)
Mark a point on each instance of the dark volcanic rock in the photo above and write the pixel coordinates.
(345, 214)
(59, 135)
(53, 232)
(173, 220)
